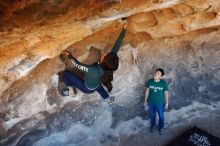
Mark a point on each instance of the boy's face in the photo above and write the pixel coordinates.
(157, 75)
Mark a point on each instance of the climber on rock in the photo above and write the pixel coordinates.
(94, 74)
(156, 95)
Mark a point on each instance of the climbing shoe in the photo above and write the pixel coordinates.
(69, 91)
(64, 92)
(111, 100)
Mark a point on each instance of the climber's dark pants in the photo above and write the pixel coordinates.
(70, 79)
(160, 109)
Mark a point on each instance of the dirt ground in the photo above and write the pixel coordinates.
(144, 138)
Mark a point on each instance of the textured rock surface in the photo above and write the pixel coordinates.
(182, 36)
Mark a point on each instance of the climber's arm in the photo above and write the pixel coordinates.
(77, 64)
(119, 41)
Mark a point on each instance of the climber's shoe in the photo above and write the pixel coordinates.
(68, 91)
(110, 100)
(64, 92)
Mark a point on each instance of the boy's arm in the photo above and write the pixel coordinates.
(146, 95)
(166, 94)
(119, 41)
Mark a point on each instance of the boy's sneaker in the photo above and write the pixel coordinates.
(161, 131)
(152, 128)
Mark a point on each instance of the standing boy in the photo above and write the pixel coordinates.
(157, 95)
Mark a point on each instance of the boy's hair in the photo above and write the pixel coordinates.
(160, 70)
(110, 61)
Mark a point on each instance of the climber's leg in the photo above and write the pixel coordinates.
(102, 92)
(73, 80)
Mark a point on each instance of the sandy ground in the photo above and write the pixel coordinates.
(144, 138)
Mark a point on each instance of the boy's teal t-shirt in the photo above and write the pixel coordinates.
(156, 91)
